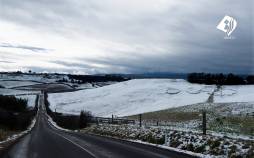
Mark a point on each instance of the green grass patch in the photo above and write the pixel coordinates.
(168, 115)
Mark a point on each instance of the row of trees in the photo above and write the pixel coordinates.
(13, 104)
(220, 79)
(96, 78)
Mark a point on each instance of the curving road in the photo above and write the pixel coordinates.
(45, 141)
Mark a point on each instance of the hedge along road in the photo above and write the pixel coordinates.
(45, 141)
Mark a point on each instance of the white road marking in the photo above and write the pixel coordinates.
(75, 144)
(43, 110)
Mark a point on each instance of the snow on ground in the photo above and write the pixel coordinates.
(229, 108)
(13, 83)
(131, 97)
(184, 141)
(144, 95)
(242, 93)
(29, 95)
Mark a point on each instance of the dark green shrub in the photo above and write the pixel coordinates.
(13, 104)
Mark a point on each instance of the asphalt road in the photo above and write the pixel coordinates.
(45, 141)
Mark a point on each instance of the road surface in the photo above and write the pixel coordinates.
(45, 141)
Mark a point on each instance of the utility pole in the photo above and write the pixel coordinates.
(112, 119)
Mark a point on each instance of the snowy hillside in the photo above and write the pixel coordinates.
(131, 97)
(143, 95)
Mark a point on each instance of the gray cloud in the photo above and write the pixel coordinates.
(176, 38)
(31, 48)
(2, 61)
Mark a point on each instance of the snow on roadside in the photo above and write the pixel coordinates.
(136, 141)
(50, 120)
(187, 142)
(172, 149)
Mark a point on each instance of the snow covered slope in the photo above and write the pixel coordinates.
(131, 97)
(144, 95)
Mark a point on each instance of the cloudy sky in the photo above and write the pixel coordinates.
(125, 36)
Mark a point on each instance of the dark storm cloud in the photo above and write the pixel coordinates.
(34, 49)
(181, 38)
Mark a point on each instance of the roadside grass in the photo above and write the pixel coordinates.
(168, 115)
(179, 117)
(5, 133)
(233, 124)
(184, 140)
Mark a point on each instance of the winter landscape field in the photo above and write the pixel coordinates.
(171, 110)
(147, 95)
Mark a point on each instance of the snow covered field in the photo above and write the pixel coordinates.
(32, 77)
(12, 83)
(131, 97)
(29, 95)
(144, 95)
(5, 91)
(235, 94)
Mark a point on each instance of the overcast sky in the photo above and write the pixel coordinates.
(125, 36)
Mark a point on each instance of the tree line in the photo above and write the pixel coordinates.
(220, 79)
(96, 78)
(13, 104)
(14, 113)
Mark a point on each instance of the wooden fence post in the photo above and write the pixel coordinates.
(97, 121)
(204, 122)
(140, 120)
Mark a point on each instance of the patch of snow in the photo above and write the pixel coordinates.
(53, 123)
